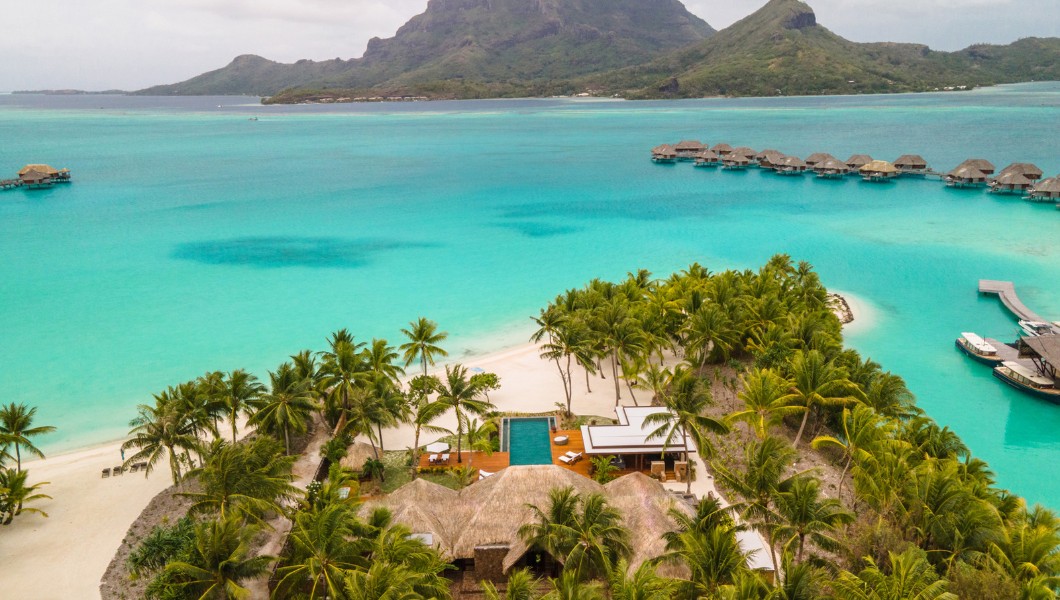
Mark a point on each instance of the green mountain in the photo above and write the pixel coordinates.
(497, 43)
(780, 49)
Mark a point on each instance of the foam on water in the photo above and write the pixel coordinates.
(193, 239)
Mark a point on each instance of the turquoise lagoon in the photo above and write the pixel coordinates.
(196, 239)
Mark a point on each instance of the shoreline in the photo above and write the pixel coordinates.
(98, 512)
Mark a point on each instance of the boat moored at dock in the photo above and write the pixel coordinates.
(1026, 380)
(1035, 328)
(978, 349)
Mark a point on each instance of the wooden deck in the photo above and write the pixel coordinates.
(491, 464)
(1006, 291)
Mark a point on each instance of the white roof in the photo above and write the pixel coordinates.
(631, 435)
(978, 343)
(1030, 374)
(751, 543)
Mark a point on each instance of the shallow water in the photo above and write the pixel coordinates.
(195, 239)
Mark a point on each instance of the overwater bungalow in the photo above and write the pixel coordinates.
(879, 171)
(769, 159)
(911, 164)
(735, 162)
(831, 168)
(687, 149)
(42, 176)
(1028, 170)
(818, 157)
(985, 166)
(707, 158)
(721, 149)
(791, 165)
(1011, 182)
(744, 151)
(854, 163)
(1046, 190)
(663, 154)
(965, 176)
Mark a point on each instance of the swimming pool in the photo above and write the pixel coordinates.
(527, 440)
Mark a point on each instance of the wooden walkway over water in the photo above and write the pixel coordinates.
(1006, 291)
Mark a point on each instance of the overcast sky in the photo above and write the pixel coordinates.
(131, 44)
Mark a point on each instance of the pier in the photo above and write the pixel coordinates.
(1006, 291)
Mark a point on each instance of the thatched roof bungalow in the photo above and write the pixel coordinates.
(1046, 190)
(744, 151)
(878, 170)
(818, 157)
(478, 526)
(47, 170)
(983, 165)
(687, 149)
(664, 154)
(857, 161)
(830, 168)
(707, 158)
(965, 175)
(1028, 170)
(911, 164)
(1011, 182)
(34, 178)
(721, 149)
(768, 159)
(791, 165)
(357, 454)
(733, 161)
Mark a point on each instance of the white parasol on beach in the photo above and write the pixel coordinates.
(436, 447)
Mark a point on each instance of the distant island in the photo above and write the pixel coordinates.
(71, 92)
(464, 49)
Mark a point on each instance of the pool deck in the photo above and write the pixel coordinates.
(500, 460)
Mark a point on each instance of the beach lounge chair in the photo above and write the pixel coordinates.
(444, 459)
(432, 459)
(483, 474)
(570, 458)
(135, 467)
(106, 472)
(117, 470)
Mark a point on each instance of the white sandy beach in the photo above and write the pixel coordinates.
(65, 555)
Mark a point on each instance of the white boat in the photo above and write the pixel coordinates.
(1028, 381)
(978, 349)
(1036, 328)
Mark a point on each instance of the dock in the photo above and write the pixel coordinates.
(1006, 291)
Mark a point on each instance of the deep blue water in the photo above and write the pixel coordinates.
(194, 239)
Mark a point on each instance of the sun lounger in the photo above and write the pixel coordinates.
(106, 472)
(444, 459)
(135, 467)
(117, 470)
(432, 459)
(569, 459)
(483, 474)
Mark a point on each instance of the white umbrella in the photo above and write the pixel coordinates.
(436, 447)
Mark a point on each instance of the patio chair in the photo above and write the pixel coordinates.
(432, 459)
(117, 470)
(444, 459)
(570, 458)
(106, 472)
(135, 467)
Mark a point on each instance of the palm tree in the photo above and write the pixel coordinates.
(240, 393)
(287, 406)
(457, 393)
(686, 400)
(521, 586)
(861, 432)
(14, 492)
(424, 338)
(219, 561)
(584, 533)
(766, 398)
(818, 382)
(479, 438)
(341, 370)
(803, 513)
(321, 553)
(544, 530)
(911, 578)
(708, 331)
(385, 580)
(422, 412)
(246, 479)
(642, 584)
(380, 358)
(568, 586)
(16, 429)
(158, 432)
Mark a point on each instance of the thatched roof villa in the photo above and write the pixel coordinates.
(965, 175)
(878, 171)
(1011, 182)
(983, 165)
(818, 157)
(687, 149)
(791, 165)
(721, 149)
(1028, 170)
(734, 161)
(744, 151)
(477, 527)
(664, 153)
(769, 158)
(831, 168)
(1046, 190)
(707, 158)
(912, 164)
(857, 161)
(41, 175)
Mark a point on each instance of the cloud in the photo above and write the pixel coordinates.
(132, 44)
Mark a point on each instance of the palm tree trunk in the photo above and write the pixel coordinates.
(18, 458)
(234, 427)
(379, 428)
(459, 435)
(588, 390)
(688, 468)
(563, 378)
(286, 440)
(568, 386)
(631, 395)
(416, 453)
(798, 436)
(802, 542)
(614, 373)
(174, 470)
(843, 475)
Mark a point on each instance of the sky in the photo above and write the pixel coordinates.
(132, 44)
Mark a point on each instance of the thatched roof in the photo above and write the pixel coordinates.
(858, 160)
(1028, 170)
(646, 506)
(792, 161)
(968, 172)
(1013, 178)
(981, 164)
(744, 151)
(1047, 347)
(689, 146)
(424, 507)
(768, 153)
(831, 164)
(707, 155)
(818, 157)
(910, 161)
(879, 166)
(664, 150)
(1050, 185)
(738, 159)
(46, 170)
(722, 148)
(32, 175)
(356, 455)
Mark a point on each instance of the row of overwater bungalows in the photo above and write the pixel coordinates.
(1018, 178)
(36, 177)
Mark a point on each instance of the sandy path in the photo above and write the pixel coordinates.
(65, 556)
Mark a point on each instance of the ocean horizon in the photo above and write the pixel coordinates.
(195, 239)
